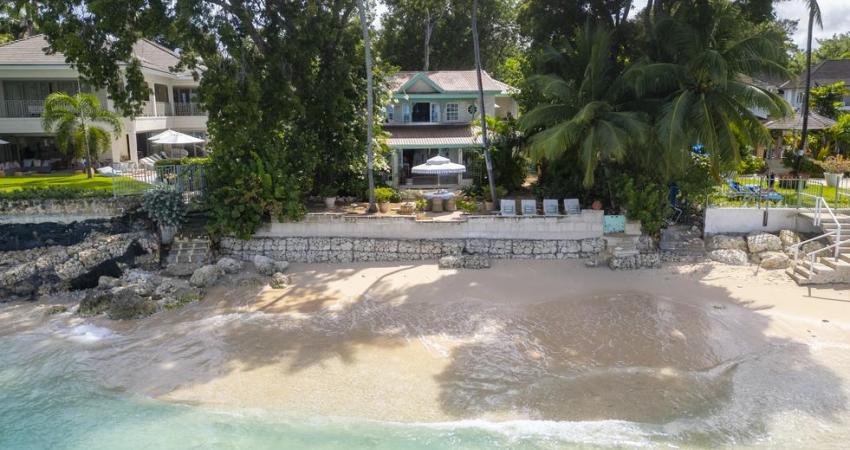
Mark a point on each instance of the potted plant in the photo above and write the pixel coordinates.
(328, 194)
(834, 168)
(165, 207)
(488, 198)
(383, 195)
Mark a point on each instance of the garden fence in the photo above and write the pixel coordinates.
(189, 179)
(752, 191)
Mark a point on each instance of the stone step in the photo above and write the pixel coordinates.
(839, 264)
(798, 277)
(817, 268)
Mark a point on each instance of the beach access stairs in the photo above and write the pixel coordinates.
(828, 260)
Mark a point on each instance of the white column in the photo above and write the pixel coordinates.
(171, 99)
(395, 161)
(460, 161)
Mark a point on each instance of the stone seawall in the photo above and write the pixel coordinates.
(343, 249)
(64, 210)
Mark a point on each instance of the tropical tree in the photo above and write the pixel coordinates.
(814, 16)
(700, 69)
(77, 122)
(585, 106)
(488, 159)
(370, 157)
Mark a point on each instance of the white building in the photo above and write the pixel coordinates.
(824, 73)
(28, 75)
(435, 113)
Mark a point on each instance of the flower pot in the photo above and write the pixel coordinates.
(166, 233)
(330, 202)
(488, 206)
(384, 207)
(833, 179)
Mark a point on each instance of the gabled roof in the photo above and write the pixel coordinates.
(826, 72)
(449, 81)
(31, 51)
(795, 122)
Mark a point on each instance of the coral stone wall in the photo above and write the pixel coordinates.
(64, 211)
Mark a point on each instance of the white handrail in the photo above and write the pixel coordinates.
(812, 254)
(820, 201)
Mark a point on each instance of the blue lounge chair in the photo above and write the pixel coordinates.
(753, 192)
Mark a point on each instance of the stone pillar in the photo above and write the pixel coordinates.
(395, 161)
(460, 161)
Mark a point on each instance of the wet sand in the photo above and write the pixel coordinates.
(694, 350)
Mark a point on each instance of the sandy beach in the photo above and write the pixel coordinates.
(693, 349)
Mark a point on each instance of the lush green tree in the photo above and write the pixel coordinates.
(701, 68)
(78, 122)
(283, 83)
(835, 47)
(17, 19)
(584, 111)
(435, 34)
(827, 100)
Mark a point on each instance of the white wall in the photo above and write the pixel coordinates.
(746, 220)
(583, 226)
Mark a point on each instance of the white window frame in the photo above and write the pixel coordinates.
(406, 114)
(435, 112)
(390, 113)
(452, 116)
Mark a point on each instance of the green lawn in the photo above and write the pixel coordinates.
(11, 183)
(724, 196)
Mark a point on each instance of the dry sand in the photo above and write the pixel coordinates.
(697, 348)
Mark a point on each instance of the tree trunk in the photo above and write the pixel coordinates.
(429, 28)
(488, 160)
(808, 86)
(370, 157)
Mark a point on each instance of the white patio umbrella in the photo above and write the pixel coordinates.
(171, 137)
(438, 165)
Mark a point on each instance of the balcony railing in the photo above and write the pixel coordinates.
(21, 108)
(163, 109)
(189, 109)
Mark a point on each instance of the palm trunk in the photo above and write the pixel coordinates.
(429, 27)
(370, 157)
(88, 152)
(808, 86)
(488, 159)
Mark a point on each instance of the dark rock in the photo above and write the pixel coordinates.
(94, 303)
(206, 276)
(127, 304)
(280, 280)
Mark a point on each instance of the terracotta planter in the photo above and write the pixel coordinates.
(384, 207)
(330, 202)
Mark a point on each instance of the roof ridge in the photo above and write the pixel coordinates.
(22, 39)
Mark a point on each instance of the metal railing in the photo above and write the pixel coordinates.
(189, 109)
(837, 245)
(21, 108)
(764, 192)
(132, 179)
(821, 205)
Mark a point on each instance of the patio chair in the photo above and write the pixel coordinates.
(753, 192)
(572, 206)
(529, 207)
(507, 207)
(550, 207)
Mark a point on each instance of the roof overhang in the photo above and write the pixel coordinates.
(432, 136)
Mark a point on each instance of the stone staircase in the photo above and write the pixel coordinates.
(826, 267)
(187, 254)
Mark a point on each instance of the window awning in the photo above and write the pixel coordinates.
(433, 136)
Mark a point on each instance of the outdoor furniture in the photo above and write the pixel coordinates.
(436, 198)
(550, 207)
(753, 192)
(508, 207)
(572, 206)
(438, 165)
(529, 207)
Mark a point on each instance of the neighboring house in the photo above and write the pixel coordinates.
(28, 75)
(827, 72)
(436, 113)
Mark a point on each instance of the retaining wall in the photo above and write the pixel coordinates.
(343, 249)
(64, 211)
(746, 220)
(586, 225)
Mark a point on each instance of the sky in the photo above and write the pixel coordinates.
(836, 18)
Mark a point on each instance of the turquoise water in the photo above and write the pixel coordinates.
(49, 399)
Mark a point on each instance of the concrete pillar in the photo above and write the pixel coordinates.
(460, 161)
(171, 99)
(395, 162)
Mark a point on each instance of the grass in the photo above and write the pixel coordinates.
(724, 196)
(100, 184)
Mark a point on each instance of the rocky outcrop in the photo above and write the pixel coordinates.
(229, 265)
(763, 242)
(280, 280)
(206, 276)
(788, 238)
(634, 261)
(78, 266)
(724, 242)
(126, 303)
(729, 256)
(268, 266)
(773, 260)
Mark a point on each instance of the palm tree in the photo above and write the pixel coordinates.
(370, 156)
(488, 158)
(814, 15)
(584, 110)
(702, 70)
(75, 119)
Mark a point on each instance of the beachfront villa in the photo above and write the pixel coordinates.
(434, 113)
(827, 72)
(28, 75)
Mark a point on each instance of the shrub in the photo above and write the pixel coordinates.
(182, 162)
(54, 193)
(751, 164)
(421, 204)
(807, 165)
(471, 191)
(500, 192)
(834, 164)
(384, 194)
(644, 199)
(467, 206)
(327, 191)
(164, 206)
